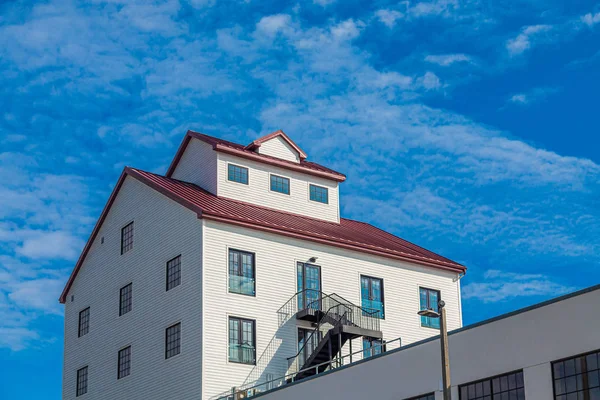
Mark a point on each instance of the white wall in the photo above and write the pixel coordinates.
(198, 165)
(162, 230)
(276, 258)
(278, 147)
(530, 341)
(258, 189)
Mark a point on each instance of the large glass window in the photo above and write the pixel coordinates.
(127, 238)
(309, 284)
(241, 272)
(508, 386)
(371, 292)
(577, 377)
(173, 341)
(242, 343)
(280, 184)
(126, 299)
(173, 272)
(84, 322)
(82, 381)
(235, 173)
(319, 194)
(429, 299)
(372, 347)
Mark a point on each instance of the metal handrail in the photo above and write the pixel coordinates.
(250, 390)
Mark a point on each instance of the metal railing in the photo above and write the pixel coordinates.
(335, 311)
(253, 388)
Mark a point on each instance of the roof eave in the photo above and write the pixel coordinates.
(282, 164)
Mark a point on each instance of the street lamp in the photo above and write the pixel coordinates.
(444, 343)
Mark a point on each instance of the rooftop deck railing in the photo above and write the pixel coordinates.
(264, 385)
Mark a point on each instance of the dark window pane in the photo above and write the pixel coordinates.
(173, 341)
(82, 380)
(593, 380)
(84, 322)
(242, 344)
(592, 362)
(174, 272)
(559, 370)
(125, 299)
(124, 362)
(127, 238)
(505, 387)
(241, 272)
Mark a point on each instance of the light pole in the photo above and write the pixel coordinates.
(444, 343)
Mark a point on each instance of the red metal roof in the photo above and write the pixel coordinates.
(354, 233)
(239, 150)
(348, 234)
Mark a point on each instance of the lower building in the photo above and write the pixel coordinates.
(547, 351)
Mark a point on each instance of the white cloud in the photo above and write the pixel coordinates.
(324, 3)
(430, 81)
(51, 245)
(524, 40)
(389, 17)
(533, 96)
(502, 286)
(273, 24)
(591, 19)
(448, 59)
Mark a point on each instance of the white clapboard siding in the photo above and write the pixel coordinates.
(198, 165)
(162, 230)
(276, 258)
(257, 191)
(278, 147)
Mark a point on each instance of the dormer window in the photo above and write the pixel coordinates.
(235, 173)
(319, 194)
(280, 184)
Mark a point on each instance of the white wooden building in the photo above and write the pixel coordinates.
(233, 268)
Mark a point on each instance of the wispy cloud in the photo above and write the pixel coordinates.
(533, 96)
(503, 286)
(526, 38)
(591, 19)
(389, 17)
(448, 59)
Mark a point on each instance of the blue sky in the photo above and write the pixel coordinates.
(470, 128)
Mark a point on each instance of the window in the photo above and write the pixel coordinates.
(280, 184)
(508, 386)
(309, 283)
(429, 300)
(124, 367)
(173, 341)
(371, 292)
(428, 396)
(173, 272)
(127, 238)
(318, 193)
(242, 344)
(238, 174)
(372, 347)
(577, 377)
(241, 272)
(84, 322)
(82, 379)
(308, 339)
(125, 300)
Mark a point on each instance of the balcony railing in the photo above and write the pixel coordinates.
(242, 353)
(241, 285)
(373, 308)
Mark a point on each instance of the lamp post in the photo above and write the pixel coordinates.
(444, 344)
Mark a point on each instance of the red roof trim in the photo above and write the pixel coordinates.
(279, 163)
(86, 248)
(225, 146)
(336, 243)
(255, 144)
